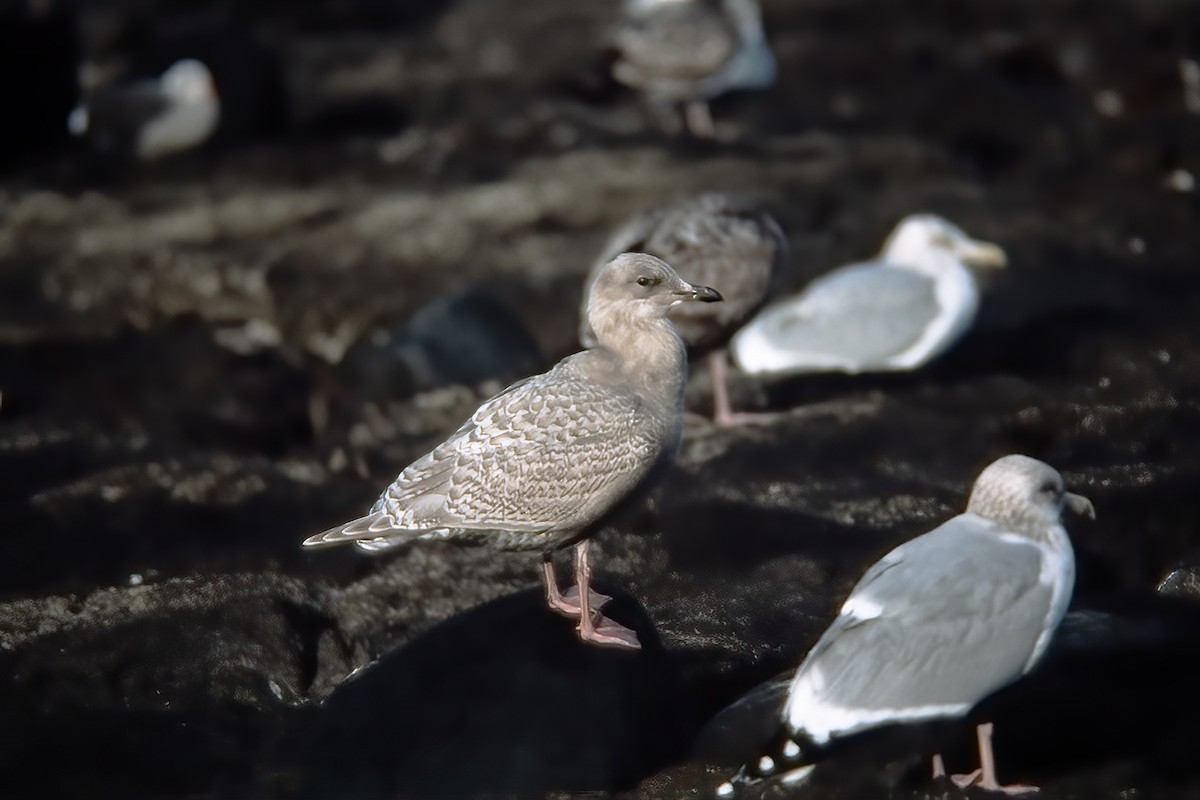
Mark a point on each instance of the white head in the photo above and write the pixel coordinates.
(188, 81)
(928, 243)
(1024, 495)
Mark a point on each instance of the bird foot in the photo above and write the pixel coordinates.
(733, 418)
(568, 602)
(976, 778)
(608, 633)
(963, 780)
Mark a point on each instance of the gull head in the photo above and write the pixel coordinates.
(188, 81)
(1024, 495)
(641, 286)
(929, 243)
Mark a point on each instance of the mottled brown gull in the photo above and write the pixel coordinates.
(714, 239)
(539, 465)
(938, 624)
(687, 51)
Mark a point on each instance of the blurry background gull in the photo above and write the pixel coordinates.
(151, 118)
(689, 51)
(893, 313)
(714, 239)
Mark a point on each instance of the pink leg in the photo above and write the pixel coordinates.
(985, 776)
(939, 767)
(723, 413)
(567, 603)
(594, 627)
(699, 120)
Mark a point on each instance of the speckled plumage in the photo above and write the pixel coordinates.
(716, 239)
(538, 464)
(533, 466)
(713, 239)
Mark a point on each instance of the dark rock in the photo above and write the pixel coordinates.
(39, 78)
(436, 717)
(465, 337)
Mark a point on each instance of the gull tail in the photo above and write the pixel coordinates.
(373, 532)
(790, 759)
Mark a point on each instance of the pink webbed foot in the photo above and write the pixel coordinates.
(964, 779)
(985, 776)
(607, 633)
(582, 603)
(567, 603)
(976, 778)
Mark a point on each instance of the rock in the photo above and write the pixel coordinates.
(1183, 582)
(436, 715)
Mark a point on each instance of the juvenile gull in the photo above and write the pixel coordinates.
(541, 463)
(154, 117)
(687, 51)
(891, 314)
(713, 239)
(938, 623)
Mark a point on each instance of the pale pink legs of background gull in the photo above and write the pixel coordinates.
(985, 776)
(580, 602)
(699, 119)
(723, 413)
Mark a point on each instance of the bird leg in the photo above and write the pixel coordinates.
(723, 413)
(699, 119)
(985, 776)
(567, 603)
(594, 627)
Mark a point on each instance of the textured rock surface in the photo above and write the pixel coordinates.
(196, 373)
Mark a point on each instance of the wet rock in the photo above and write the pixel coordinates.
(436, 715)
(250, 640)
(466, 337)
(1182, 582)
(39, 65)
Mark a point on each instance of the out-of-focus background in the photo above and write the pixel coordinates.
(207, 357)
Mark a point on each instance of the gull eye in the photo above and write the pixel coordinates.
(649, 280)
(943, 240)
(643, 281)
(1048, 488)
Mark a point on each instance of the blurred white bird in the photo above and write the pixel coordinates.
(151, 118)
(894, 313)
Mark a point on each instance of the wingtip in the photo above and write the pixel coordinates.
(342, 534)
(324, 539)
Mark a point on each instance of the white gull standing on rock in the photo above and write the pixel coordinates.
(154, 117)
(894, 313)
(714, 239)
(539, 465)
(937, 624)
(688, 51)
